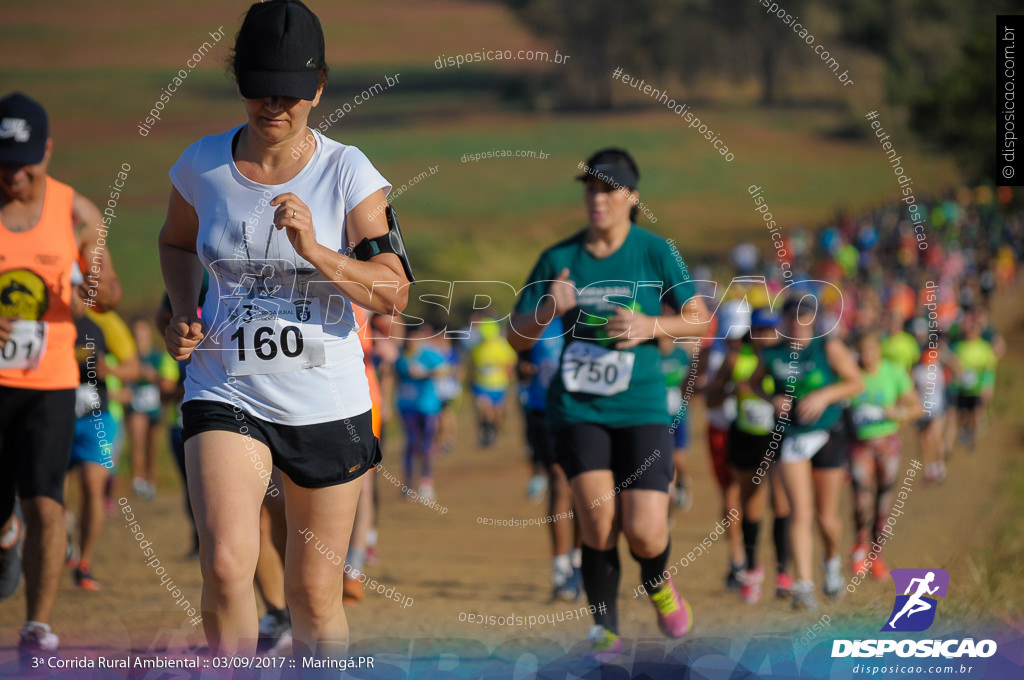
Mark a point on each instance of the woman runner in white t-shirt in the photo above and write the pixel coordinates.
(276, 376)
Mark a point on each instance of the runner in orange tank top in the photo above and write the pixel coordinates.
(39, 247)
(365, 515)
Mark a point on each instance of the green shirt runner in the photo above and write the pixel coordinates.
(676, 367)
(977, 363)
(901, 348)
(882, 389)
(597, 383)
(798, 376)
(753, 415)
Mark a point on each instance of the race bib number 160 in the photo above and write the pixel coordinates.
(268, 337)
(592, 369)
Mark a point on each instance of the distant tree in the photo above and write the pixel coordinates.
(958, 111)
(682, 40)
(758, 44)
(939, 57)
(932, 49)
(592, 33)
(918, 40)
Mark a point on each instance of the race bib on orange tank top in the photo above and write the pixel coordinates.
(35, 287)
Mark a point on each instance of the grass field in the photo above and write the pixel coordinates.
(100, 71)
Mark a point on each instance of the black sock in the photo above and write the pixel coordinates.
(750, 531)
(652, 569)
(601, 573)
(780, 534)
(280, 615)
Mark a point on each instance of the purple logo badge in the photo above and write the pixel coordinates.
(916, 590)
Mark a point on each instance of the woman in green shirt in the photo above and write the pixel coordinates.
(888, 400)
(812, 375)
(608, 282)
(975, 377)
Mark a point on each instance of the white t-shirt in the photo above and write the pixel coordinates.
(930, 383)
(720, 417)
(280, 339)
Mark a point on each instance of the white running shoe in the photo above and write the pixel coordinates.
(143, 489)
(536, 489)
(834, 578)
(803, 596)
(36, 641)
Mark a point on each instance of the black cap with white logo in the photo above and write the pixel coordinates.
(24, 130)
(279, 51)
(613, 166)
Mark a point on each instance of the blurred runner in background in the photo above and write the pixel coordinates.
(537, 367)
(888, 401)
(606, 400)
(493, 364)
(45, 227)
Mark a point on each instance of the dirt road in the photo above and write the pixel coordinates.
(450, 563)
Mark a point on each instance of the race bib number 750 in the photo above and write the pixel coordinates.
(592, 369)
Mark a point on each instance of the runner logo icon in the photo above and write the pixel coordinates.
(914, 609)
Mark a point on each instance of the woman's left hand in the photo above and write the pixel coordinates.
(633, 327)
(810, 407)
(294, 216)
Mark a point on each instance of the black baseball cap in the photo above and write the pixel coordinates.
(613, 166)
(279, 51)
(24, 129)
(793, 306)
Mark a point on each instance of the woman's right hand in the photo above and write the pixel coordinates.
(182, 336)
(563, 294)
(6, 329)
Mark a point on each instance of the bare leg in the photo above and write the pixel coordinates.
(269, 565)
(226, 493)
(151, 432)
(43, 558)
(314, 568)
(559, 505)
(800, 489)
(734, 532)
(364, 513)
(94, 482)
(645, 521)
(827, 486)
(138, 425)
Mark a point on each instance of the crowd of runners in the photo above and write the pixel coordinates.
(275, 364)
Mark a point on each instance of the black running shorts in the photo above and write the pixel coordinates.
(747, 451)
(539, 438)
(37, 428)
(639, 456)
(968, 402)
(835, 453)
(312, 456)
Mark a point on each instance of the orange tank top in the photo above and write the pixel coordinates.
(35, 284)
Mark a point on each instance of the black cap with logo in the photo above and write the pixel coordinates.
(279, 51)
(613, 166)
(24, 129)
